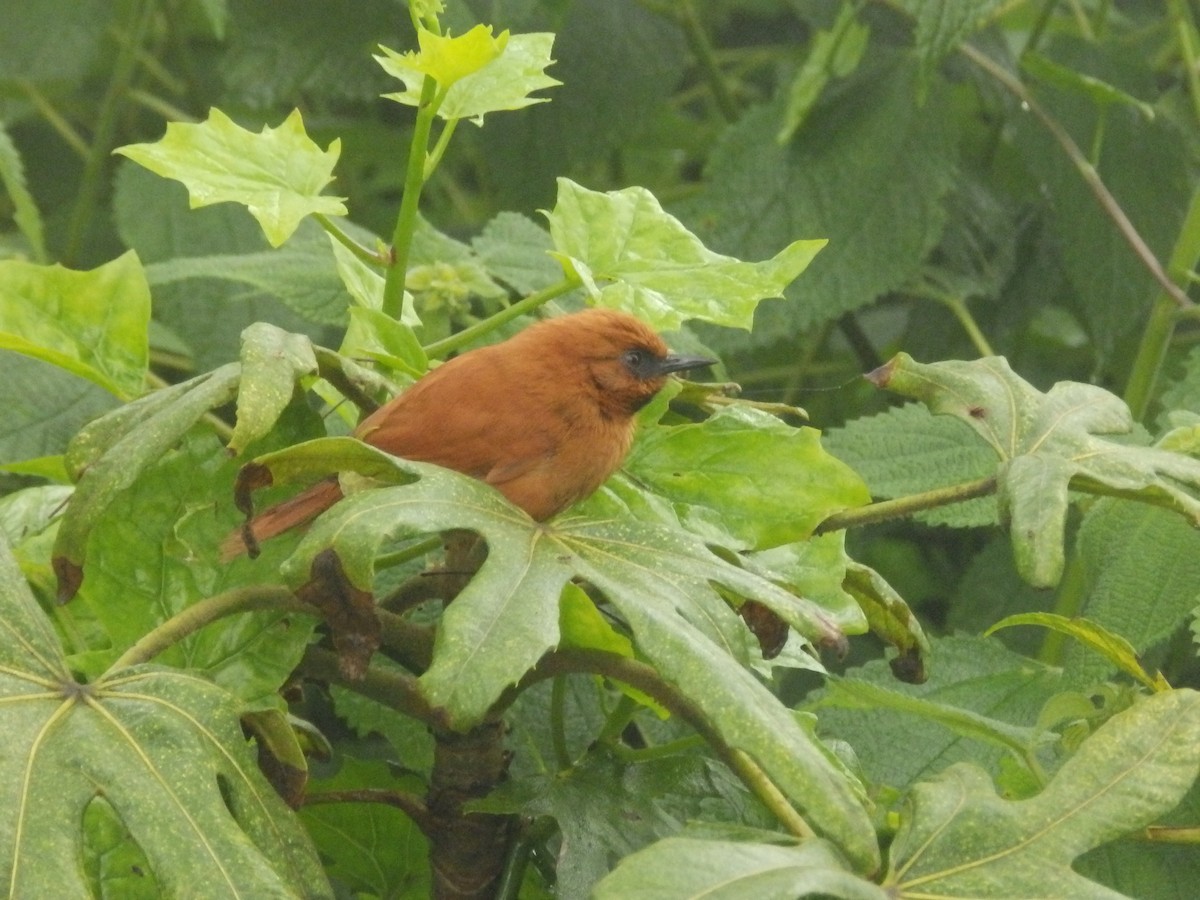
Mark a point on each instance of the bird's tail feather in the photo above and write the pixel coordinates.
(294, 513)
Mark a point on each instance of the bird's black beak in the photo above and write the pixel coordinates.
(669, 364)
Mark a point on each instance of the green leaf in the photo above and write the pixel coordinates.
(816, 569)
(277, 174)
(372, 848)
(1100, 92)
(1142, 571)
(25, 211)
(1144, 164)
(582, 625)
(517, 250)
(604, 809)
(163, 747)
(476, 73)
(93, 324)
(374, 334)
(959, 839)
(634, 256)
(908, 450)
(448, 59)
(621, 65)
(153, 553)
(1047, 442)
(868, 172)
(273, 363)
(411, 742)
(303, 275)
(943, 26)
(765, 481)
(445, 271)
(835, 53)
(660, 581)
(850, 693)
(44, 406)
(979, 677)
(1111, 646)
(327, 65)
(115, 864)
(78, 41)
(891, 620)
(114, 450)
(680, 867)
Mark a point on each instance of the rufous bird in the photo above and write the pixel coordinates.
(544, 417)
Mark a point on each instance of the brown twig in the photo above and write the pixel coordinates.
(1090, 176)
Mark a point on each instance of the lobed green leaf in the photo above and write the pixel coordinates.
(1047, 442)
(660, 581)
(632, 255)
(162, 747)
(278, 174)
(958, 839)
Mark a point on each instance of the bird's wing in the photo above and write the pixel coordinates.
(469, 415)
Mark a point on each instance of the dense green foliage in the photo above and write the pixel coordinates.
(225, 228)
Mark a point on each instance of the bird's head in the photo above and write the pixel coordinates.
(622, 359)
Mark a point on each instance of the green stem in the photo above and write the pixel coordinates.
(558, 722)
(1086, 170)
(701, 48)
(91, 182)
(902, 507)
(1068, 603)
(616, 721)
(1185, 29)
(1160, 327)
(468, 335)
(661, 751)
(361, 253)
(406, 219)
(56, 121)
(158, 105)
(1039, 26)
(1098, 136)
(531, 837)
(193, 618)
(766, 790)
(1170, 834)
(958, 307)
(408, 553)
(439, 148)
(395, 690)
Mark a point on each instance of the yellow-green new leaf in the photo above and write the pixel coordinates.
(476, 73)
(277, 173)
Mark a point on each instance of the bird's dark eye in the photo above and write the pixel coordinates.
(641, 363)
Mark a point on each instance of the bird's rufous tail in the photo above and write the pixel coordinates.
(298, 511)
